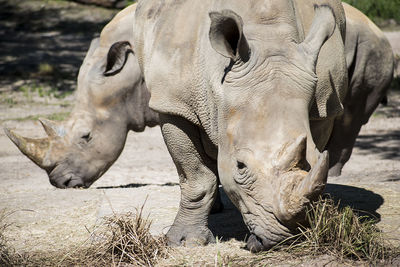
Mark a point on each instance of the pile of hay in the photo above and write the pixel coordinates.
(8, 255)
(5, 254)
(121, 239)
(337, 232)
(125, 239)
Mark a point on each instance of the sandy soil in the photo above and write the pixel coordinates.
(45, 218)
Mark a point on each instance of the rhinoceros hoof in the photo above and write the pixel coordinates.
(335, 170)
(189, 235)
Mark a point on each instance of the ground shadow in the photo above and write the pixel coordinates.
(134, 185)
(41, 32)
(384, 145)
(229, 224)
(363, 202)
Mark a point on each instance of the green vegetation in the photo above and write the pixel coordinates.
(130, 2)
(42, 90)
(9, 101)
(378, 10)
(60, 116)
(45, 69)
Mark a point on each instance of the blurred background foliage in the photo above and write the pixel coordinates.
(378, 10)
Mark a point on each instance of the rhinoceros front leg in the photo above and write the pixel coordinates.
(198, 181)
(343, 138)
(357, 111)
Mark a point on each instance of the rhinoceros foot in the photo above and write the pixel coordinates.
(189, 235)
(335, 170)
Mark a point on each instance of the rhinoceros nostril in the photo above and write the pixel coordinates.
(66, 182)
(75, 183)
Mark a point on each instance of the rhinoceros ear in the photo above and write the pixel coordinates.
(226, 35)
(117, 57)
(321, 29)
(94, 44)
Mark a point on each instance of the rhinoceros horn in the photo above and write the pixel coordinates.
(314, 183)
(50, 127)
(295, 192)
(36, 149)
(293, 154)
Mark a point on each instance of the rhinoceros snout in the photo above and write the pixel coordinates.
(67, 182)
(256, 244)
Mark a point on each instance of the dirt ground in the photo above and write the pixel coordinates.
(45, 219)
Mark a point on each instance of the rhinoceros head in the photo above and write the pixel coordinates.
(267, 161)
(110, 98)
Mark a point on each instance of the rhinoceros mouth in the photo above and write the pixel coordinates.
(256, 244)
(60, 177)
(265, 230)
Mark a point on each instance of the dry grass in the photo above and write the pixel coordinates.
(120, 240)
(338, 232)
(5, 253)
(8, 256)
(334, 235)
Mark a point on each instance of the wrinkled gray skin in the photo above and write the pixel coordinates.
(248, 92)
(359, 29)
(111, 99)
(370, 62)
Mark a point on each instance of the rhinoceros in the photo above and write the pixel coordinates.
(370, 64)
(358, 29)
(111, 99)
(248, 94)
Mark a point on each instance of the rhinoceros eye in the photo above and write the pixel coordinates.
(243, 176)
(241, 167)
(86, 137)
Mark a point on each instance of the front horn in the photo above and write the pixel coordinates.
(314, 183)
(34, 149)
(299, 188)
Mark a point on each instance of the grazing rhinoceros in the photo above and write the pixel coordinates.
(111, 100)
(355, 26)
(370, 64)
(247, 92)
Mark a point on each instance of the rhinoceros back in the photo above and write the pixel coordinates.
(179, 65)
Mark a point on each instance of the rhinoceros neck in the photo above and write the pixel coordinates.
(138, 111)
